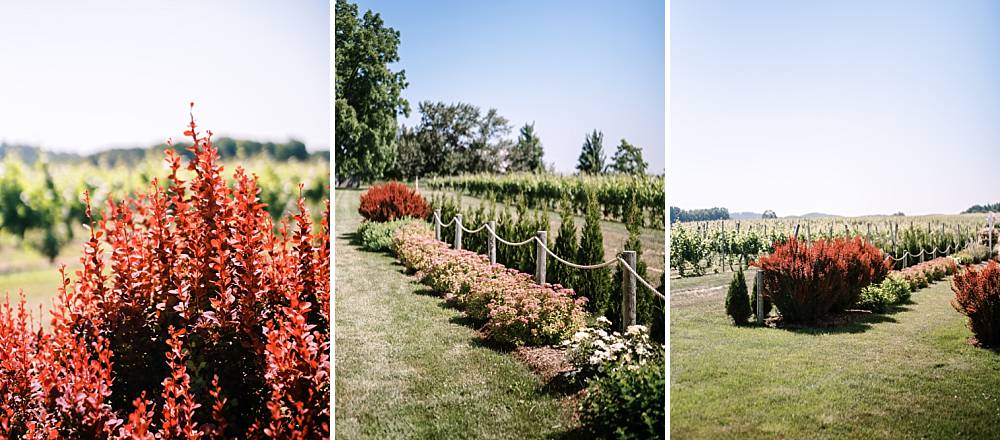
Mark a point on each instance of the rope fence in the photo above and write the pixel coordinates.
(625, 260)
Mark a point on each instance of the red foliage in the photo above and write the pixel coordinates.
(190, 318)
(394, 200)
(977, 295)
(807, 281)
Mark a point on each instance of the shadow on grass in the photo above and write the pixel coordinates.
(352, 237)
(573, 434)
(844, 323)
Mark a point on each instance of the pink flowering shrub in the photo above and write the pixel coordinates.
(516, 309)
(921, 275)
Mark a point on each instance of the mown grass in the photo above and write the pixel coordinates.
(407, 366)
(907, 374)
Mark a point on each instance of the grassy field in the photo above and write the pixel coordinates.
(409, 367)
(614, 236)
(24, 269)
(907, 374)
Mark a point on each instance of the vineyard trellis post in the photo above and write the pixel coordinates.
(758, 282)
(990, 240)
(540, 256)
(492, 243)
(796, 231)
(437, 224)
(628, 290)
(458, 231)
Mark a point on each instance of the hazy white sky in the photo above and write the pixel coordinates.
(846, 107)
(87, 75)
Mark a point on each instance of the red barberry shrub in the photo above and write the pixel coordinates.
(808, 281)
(394, 200)
(977, 295)
(191, 318)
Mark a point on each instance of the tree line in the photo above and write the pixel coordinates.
(698, 215)
(450, 139)
(977, 209)
(229, 148)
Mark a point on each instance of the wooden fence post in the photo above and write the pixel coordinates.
(628, 290)
(437, 224)
(492, 245)
(540, 257)
(759, 283)
(458, 231)
(990, 249)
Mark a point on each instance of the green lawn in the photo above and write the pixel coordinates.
(408, 366)
(908, 374)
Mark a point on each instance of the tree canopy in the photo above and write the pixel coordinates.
(453, 139)
(628, 159)
(995, 207)
(769, 214)
(368, 94)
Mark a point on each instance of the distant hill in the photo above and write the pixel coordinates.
(229, 148)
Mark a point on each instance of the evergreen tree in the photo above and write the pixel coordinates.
(595, 284)
(591, 159)
(566, 247)
(643, 297)
(527, 153)
(628, 159)
(737, 301)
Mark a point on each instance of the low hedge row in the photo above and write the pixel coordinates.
(923, 274)
(515, 309)
(377, 236)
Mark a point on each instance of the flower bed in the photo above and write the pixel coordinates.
(516, 310)
(923, 274)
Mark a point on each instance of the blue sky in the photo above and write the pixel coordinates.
(843, 107)
(81, 76)
(569, 66)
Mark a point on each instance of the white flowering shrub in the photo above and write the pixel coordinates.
(596, 351)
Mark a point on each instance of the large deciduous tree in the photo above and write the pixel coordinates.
(453, 139)
(527, 152)
(368, 94)
(628, 159)
(591, 159)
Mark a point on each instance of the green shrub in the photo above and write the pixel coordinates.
(377, 236)
(897, 287)
(737, 301)
(626, 404)
(875, 298)
(894, 289)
